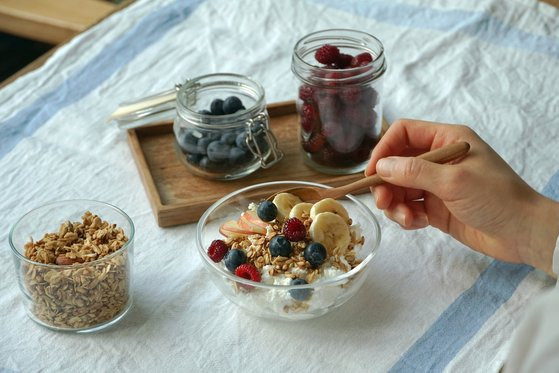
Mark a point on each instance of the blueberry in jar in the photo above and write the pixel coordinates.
(205, 112)
(203, 145)
(229, 137)
(231, 105)
(300, 294)
(240, 141)
(234, 258)
(188, 142)
(280, 246)
(193, 158)
(206, 163)
(315, 253)
(237, 156)
(267, 211)
(213, 135)
(216, 107)
(218, 151)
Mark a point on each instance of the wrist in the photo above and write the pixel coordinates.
(543, 234)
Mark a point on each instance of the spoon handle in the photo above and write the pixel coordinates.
(441, 155)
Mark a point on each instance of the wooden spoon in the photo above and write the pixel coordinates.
(441, 155)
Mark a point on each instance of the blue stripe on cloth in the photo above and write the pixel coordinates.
(466, 315)
(480, 25)
(147, 31)
(462, 319)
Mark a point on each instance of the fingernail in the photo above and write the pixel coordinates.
(375, 195)
(420, 220)
(400, 217)
(384, 166)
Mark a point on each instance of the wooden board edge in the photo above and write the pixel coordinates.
(278, 109)
(146, 177)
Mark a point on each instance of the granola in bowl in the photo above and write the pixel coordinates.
(78, 277)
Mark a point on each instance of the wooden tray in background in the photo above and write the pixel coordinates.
(178, 197)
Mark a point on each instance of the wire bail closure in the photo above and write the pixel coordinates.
(256, 127)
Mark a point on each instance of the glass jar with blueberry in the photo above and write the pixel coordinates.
(339, 98)
(221, 127)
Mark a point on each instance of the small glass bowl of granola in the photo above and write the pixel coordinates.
(73, 262)
(287, 259)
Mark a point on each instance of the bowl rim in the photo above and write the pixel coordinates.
(75, 265)
(329, 282)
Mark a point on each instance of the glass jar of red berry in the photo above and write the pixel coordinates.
(221, 127)
(339, 99)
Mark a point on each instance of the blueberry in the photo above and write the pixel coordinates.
(234, 258)
(315, 254)
(216, 107)
(193, 158)
(218, 151)
(232, 104)
(267, 211)
(205, 112)
(236, 155)
(300, 294)
(240, 141)
(203, 145)
(205, 162)
(228, 137)
(213, 135)
(280, 246)
(188, 142)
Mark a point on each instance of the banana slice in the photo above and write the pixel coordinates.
(299, 209)
(285, 202)
(331, 231)
(330, 205)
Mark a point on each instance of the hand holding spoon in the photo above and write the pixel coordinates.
(441, 155)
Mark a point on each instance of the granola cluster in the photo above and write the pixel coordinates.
(78, 290)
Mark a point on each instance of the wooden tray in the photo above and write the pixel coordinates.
(178, 197)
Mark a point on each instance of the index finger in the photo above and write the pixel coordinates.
(405, 135)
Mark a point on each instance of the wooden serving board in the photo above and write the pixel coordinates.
(178, 197)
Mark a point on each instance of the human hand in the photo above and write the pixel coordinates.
(479, 200)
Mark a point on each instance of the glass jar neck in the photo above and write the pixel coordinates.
(190, 93)
(306, 68)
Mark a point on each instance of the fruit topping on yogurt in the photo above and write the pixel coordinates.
(289, 242)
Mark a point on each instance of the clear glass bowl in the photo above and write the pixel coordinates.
(274, 301)
(80, 297)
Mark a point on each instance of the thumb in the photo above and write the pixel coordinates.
(411, 172)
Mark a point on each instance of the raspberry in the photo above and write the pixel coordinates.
(249, 272)
(217, 250)
(343, 61)
(327, 54)
(350, 95)
(307, 124)
(294, 230)
(315, 143)
(306, 93)
(362, 59)
(308, 111)
(308, 115)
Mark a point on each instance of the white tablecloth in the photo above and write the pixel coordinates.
(428, 304)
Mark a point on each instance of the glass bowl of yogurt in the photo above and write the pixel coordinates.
(284, 258)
